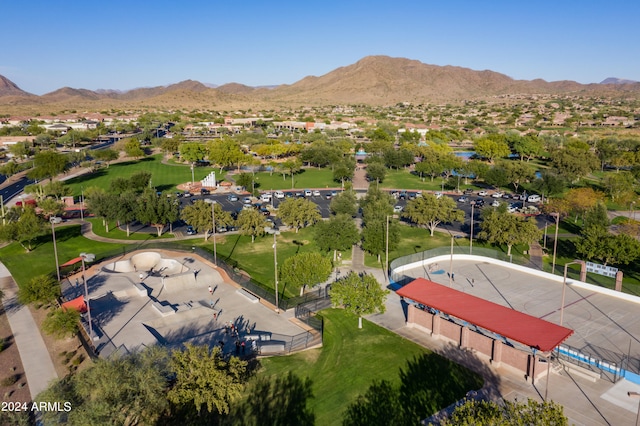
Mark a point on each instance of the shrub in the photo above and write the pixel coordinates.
(9, 380)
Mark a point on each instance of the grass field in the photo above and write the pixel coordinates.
(352, 358)
(164, 177)
(117, 234)
(306, 178)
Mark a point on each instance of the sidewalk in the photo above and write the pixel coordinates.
(36, 361)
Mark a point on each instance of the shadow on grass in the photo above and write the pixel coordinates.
(428, 384)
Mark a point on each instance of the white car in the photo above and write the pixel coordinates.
(316, 193)
(307, 193)
(483, 193)
(279, 195)
(497, 194)
(398, 209)
(438, 194)
(511, 208)
(265, 198)
(534, 198)
(495, 203)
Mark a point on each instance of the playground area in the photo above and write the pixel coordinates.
(170, 298)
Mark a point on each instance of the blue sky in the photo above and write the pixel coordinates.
(46, 45)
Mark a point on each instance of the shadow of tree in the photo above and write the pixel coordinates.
(429, 384)
(279, 401)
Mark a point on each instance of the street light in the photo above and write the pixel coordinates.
(275, 264)
(555, 244)
(386, 260)
(213, 218)
(471, 237)
(564, 285)
(55, 247)
(635, 395)
(87, 257)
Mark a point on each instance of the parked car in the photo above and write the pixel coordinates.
(495, 203)
(205, 191)
(246, 200)
(398, 209)
(316, 193)
(279, 195)
(190, 230)
(533, 198)
(308, 193)
(479, 202)
(438, 194)
(186, 194)
(266, 197)
(512, 208)
(497, 194)
(265, 211)
(232, 197)
(463, 199)
(483, 193)
(55, 219)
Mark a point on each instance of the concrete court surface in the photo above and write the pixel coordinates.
(126, 318)
(603, 325)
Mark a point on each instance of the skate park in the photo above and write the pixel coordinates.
(170, 298)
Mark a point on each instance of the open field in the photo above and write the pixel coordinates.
(351, 359)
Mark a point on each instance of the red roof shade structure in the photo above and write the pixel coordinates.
(526, 329)
(77, 304)
(72, 261)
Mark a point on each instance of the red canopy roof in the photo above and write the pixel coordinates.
(72, 261)
(520, 327)
(77, 304)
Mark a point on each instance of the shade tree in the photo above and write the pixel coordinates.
(359, 294)
(430, 211)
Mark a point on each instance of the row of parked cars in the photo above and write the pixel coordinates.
(532, 198)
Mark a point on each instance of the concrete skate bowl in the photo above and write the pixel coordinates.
(148, 261)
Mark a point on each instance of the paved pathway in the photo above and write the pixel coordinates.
(37, 363)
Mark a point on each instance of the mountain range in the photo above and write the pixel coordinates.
(374, 80)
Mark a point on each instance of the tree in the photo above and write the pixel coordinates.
(344, 203)
(39, 289)
(107, 155)
(573, 163)
(291, 166)
(500, 227)
(528, 147)
(156, 210)
(224, 152)
(491, 148)
(619, 186)
(48, 164)
(126, 209)
(517, 172)
(305, 269)
(62, 323)
(598, 244)
(376, 237)
(429, 211)
(251, 222)
(298, 212)
(280, 401)
(359, 295)
(506, 413)
(582, 199)
(245, 180)
(133, 149)
(200, 216)
(125, 390)
(23, 227)
(338, 233)
(376, 172)
(9, 169)
(550, 183)
(204, 378)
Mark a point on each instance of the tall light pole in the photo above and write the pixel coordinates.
(564, 285)
(213, 219)
(55, 247)
(555, 244)
(635, 395)
(451, 264)
(193, 180)
(386, 259)
(633, 212)
(275, 264)
(82, 204)
(88, 257)
(471, 237)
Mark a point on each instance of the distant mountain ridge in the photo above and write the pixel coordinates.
(375, 80)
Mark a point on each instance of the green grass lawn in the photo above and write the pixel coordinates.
(306, 178)
(164, 177)
(41, 260)
(351, 359)
(257, 258)
(116, 233)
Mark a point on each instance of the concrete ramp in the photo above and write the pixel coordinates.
(181, 283)
(148, 261)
